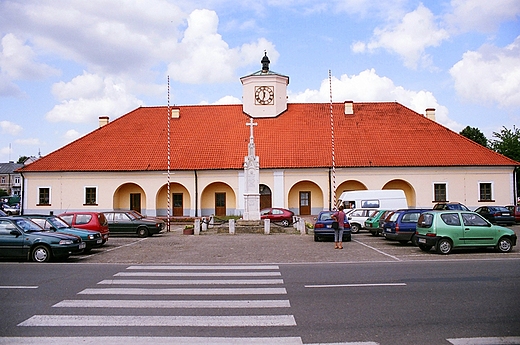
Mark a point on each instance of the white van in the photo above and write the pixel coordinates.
(386, 199)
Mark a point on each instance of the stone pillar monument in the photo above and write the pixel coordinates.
(252, 179)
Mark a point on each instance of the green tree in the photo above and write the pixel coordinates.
(22, 159)
(475, 134)
(508, 144)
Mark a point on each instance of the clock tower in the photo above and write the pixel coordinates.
(264, 92)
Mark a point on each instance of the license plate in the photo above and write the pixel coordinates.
(99, 241)
(505, 214)
(82, 245)
(421, 240)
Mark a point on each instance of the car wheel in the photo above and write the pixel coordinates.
(425, 247)
(284, 222)
(316, 238)
(41, 253)
(142, 232)
(444, 246)
(354, 228)
(504, 245)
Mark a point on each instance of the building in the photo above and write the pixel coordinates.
(126, 164)
(10, 180)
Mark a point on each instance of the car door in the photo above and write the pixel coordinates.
(11, 245)
(122, 224)
(477, 231)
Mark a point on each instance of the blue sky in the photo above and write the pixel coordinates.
(65, 63)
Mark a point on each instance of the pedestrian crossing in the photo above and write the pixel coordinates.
(189, 305)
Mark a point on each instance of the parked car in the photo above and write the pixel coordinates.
(374, 223)
(278, 215)
(11, 209)
(91, 238)
(496, 214)
(22, 238)
(446, 230)
(515, 211)
(323, 227)
(127, 223)
(95, 221)
(357, 218)
(401, 225)
(450, 206)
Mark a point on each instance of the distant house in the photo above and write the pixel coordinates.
(382, 145)
(10, 180)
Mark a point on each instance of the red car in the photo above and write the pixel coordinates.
(515, 211)
(88, 220)
(277, 215)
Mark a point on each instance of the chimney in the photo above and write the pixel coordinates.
(349, 108)
(175, 112)
(103, 120)
(430, 113)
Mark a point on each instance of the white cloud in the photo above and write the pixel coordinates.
(204, 57)
(481, 15)
(370, 87)
(17, 61)
(71, 135)
(28, 141)
(103, 96)
(409, 38)
(11, 128)
(228, 100)
(490, 75)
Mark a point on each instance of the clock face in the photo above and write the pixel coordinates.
(264, 95)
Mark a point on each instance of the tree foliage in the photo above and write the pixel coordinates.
(507, 143)
(22, 159)
(475, 134)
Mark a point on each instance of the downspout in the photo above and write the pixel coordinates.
(22, 193)
(196, 194)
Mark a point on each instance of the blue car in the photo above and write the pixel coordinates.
(323, 227)
(402, 224)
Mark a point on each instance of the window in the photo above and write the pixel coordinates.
(370, 203)
(90, 196)
(17, 180)
(451, 219)
(44, 196)
(485, 192)
(471, 219)
(439, 192)
(2, 179)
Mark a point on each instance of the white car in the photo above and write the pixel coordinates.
(357, 217)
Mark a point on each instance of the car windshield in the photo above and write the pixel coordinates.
(27, 225)
(58, 223)
(131, 215)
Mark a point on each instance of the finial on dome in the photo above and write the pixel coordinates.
(265, 63)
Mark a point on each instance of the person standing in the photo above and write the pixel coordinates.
(339, 216)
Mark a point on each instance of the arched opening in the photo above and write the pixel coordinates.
(266, 200)
(180, 201)
(409, 192)
(130, 196)
(348, 186)
(218, 199)
(305, 198)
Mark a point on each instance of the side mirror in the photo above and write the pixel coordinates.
(15, 232)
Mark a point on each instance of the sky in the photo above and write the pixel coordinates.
(65, 63)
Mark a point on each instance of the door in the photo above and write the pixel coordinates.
(477, 231)
(10, 245)
(265, 197)
(220, 204)
(305, 203)
(135, 202)
(178, 207)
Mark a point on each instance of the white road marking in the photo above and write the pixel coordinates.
(204, 304)
(377, 250)
(208, 291)
(191, 282)
(158, 321)
(485, 341)
(198, 274)
(17, 287)
(355, 285)
(195, 267)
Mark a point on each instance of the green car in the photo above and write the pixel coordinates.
(446, 230)
(373, 223)
(130, 223)
(22, 238)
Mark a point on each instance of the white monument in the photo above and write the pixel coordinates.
(252, 179)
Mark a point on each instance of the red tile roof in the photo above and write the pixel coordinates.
(209, 137)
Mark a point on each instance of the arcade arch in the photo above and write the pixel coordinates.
(180, 200)
(305, 198)
(129, 196)
(219, 199)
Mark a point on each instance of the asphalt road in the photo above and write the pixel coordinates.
(181, 289)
